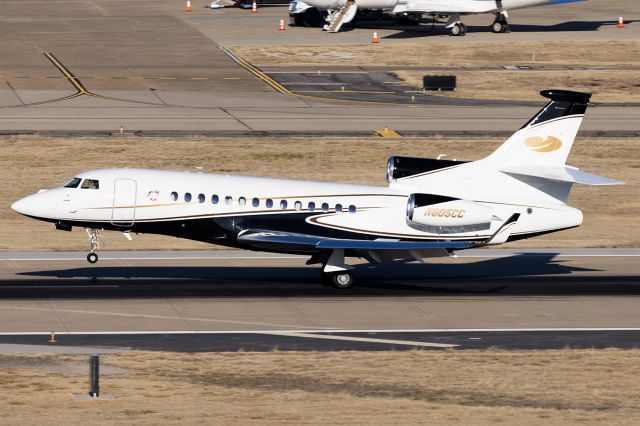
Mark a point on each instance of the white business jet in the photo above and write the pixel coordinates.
(430, 207)
(340, 12)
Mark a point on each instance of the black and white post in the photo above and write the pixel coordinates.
(94, 376)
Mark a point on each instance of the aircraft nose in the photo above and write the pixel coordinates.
(26, 206)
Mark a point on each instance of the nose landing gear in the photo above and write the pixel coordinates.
(95, 239)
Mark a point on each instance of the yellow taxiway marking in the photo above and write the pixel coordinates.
(346, 91)
(93, 313)
(387, 133)
(362, 339)
(255, 71)
(320, 73)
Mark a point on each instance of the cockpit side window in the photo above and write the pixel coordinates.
(72, 183)
(90, 184)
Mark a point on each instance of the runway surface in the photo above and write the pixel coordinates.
(231, 300)
(149, 66)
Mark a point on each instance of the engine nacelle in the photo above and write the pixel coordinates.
(444, 215)
(399, 167)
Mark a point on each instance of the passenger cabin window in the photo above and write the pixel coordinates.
(242, 201)
(201, 198)
(90, 184)
(325, 207)
(228, 200)
(72, 183)
(187, 197)
(269, 203)
(338, 208)
(283, 204)
(215, 199)
(352, 209)
(298, 205)
(174, 196)
(312, 206)
(255, 202)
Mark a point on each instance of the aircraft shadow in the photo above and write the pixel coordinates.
(427, 29)
(515, 275)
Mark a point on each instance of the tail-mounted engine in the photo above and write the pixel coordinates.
(438, 214)
(399, 167)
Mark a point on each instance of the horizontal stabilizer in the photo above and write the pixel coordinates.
(288, 241)
(560, 174)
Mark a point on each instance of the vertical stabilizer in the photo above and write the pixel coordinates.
(547, 138)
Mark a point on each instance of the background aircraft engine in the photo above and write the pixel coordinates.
(444, 215)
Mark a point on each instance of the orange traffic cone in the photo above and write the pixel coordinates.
(620, 22)
(188, 8)
(375, 38)
(254, 7)
(281, 28)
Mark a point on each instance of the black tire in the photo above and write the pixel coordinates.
(342, 280)
(500, 27)
(92, 258)
(456, 30)
(464, 29)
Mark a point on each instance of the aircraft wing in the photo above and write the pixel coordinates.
(309, 243)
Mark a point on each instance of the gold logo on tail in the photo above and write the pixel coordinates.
(539, 144)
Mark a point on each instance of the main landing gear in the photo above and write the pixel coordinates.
(335, 273)
(456, 26)
(94, 238)
(500, 25)
(341, 280)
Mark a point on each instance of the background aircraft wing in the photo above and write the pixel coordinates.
(310, 243)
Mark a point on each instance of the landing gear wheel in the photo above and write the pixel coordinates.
(92, 257)
(341, 280)
(500, 27)
(459, 29)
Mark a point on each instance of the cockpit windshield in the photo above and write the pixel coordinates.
(90, 184)
(72, 183)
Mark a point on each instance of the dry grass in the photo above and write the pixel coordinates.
(589, 54)
(30, 163)
(568, 387)
(606, 86)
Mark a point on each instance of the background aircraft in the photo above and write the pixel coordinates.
(430, 207)
(339, 12)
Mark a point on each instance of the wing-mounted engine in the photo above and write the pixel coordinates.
(400, 167)
(438, 214)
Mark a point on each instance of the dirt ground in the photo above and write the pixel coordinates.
(555, 387)
(606, 86)
(586, 54)
(30, 163)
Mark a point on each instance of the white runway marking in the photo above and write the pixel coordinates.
(361, 339)
(307, 331)
(57, 259)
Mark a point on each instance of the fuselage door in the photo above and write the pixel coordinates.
(124, 202)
